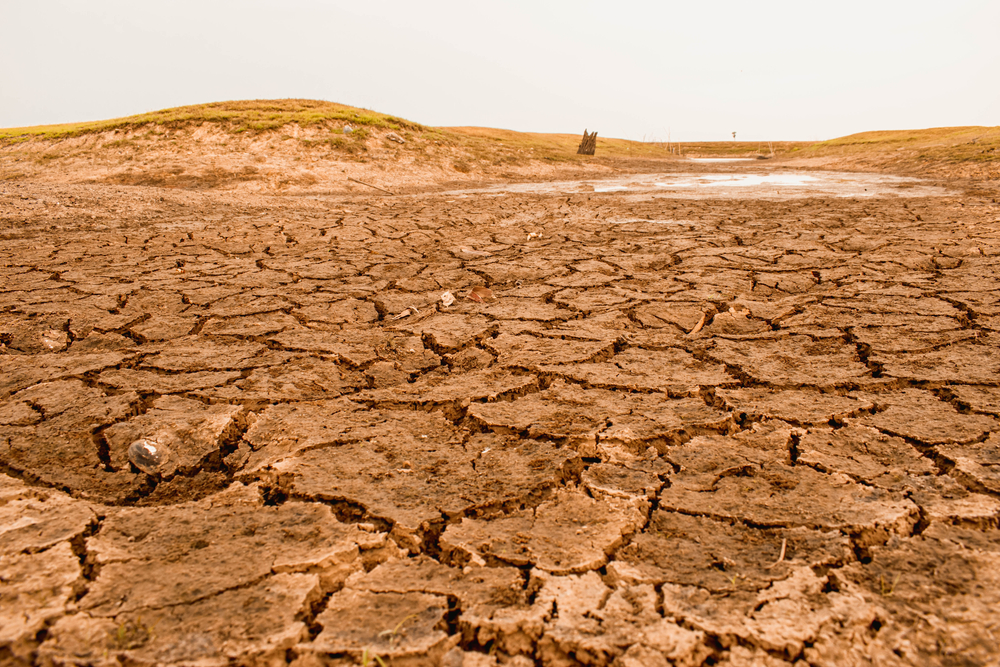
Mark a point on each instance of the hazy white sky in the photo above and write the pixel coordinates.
(696, 69)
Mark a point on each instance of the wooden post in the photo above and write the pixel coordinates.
(589, 143)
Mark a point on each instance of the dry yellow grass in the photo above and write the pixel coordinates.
(954, 144)
(237, 117)
(948, 152)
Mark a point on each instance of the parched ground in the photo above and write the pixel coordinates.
(683, 431)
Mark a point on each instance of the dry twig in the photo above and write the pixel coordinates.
(781, 556)
(370, 185)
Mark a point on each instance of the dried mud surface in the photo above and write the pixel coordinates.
(683, 431)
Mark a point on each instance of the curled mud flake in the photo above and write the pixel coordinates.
(531, 351)
(484, 293)
(980, 399)
(793, 360)
(18, 372)
(448, 332)
(976, 464)
(671, 371)
(347, 311)
(456, 389)
(136, 380)
(353, 347)
(148, 455)
(920, 415)
(798, 406)
(965, 362)
(865, 454)
(943, 500)
(586, 416)
(193, 353)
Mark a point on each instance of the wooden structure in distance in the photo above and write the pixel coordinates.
(589, 143)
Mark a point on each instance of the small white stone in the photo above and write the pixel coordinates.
(147, 455)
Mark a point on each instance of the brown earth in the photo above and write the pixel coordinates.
(751, 430)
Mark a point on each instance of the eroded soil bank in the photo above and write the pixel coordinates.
(684, 431)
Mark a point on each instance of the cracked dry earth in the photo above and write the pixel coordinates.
(756, 432)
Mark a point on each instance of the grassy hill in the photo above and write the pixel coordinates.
(280, 145)
(942, 151)
(236, 117)
(255, 117)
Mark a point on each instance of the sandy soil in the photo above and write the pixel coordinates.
(726, 429)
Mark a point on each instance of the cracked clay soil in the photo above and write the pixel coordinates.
(683, 431)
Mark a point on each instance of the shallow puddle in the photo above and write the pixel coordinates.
(736, 184)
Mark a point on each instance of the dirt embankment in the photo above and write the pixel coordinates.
(293, 160)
